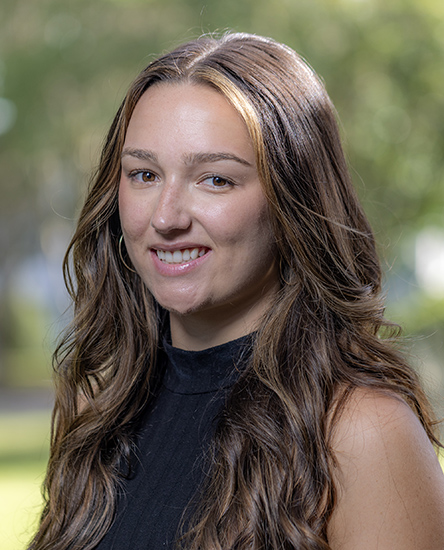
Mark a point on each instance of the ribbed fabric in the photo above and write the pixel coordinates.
(171, 447)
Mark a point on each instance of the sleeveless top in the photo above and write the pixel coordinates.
(171, 446)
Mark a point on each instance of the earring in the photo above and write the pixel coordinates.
(121, 257)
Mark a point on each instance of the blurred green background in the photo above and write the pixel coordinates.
(64, 68)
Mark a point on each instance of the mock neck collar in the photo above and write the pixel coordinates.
(208, 370)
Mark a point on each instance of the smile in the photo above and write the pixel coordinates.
(180, 256)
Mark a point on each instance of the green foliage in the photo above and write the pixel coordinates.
(27, 358)
(64, 68)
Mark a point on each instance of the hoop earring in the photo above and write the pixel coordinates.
(121, 256)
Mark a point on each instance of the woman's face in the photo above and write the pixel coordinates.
(193, 213)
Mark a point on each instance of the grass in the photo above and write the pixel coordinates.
(24, 440)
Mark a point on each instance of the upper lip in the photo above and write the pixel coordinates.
(177, 246)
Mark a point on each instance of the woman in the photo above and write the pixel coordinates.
(226, 377)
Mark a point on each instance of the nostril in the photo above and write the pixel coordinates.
(171, 223)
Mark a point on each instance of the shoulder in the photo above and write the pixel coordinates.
(390, 486)
(372, 417)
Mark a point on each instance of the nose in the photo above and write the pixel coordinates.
(171, 212)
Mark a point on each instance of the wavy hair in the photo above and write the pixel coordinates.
(270, 483)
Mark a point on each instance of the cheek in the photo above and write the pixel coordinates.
(133, 214)
(250, 222)
(262, 243)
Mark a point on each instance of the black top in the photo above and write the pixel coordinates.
(176, 432)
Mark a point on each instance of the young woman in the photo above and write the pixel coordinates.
(229, 380)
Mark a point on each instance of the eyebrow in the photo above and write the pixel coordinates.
(189, 159)
(202, 158)
(141, 154)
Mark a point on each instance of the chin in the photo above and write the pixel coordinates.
(181, 312)
(181, 308)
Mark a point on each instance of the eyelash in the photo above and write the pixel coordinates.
(228, 182)
(133, 175)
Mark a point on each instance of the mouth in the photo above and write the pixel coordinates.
(180, 256)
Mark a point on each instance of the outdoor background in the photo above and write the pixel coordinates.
(64, 68)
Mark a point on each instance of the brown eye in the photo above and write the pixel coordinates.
(216, 182)
(143, 176)
(147, 177)
(219, 182)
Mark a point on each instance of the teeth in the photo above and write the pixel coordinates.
(180, 256)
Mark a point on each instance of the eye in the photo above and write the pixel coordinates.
(217, 181)
(143, 176)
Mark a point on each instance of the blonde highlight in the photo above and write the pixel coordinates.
(270, 482)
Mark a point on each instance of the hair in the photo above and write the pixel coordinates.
(271, 482)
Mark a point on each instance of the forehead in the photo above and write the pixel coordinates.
(178, 97)
(186, 115)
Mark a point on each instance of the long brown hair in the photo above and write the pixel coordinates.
(271, 480)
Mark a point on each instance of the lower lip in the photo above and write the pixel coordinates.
(173, 270)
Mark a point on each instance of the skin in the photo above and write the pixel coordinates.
(390, 484)
(189, 180)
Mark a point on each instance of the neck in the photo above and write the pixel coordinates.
(196, 335)
(211, 328)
